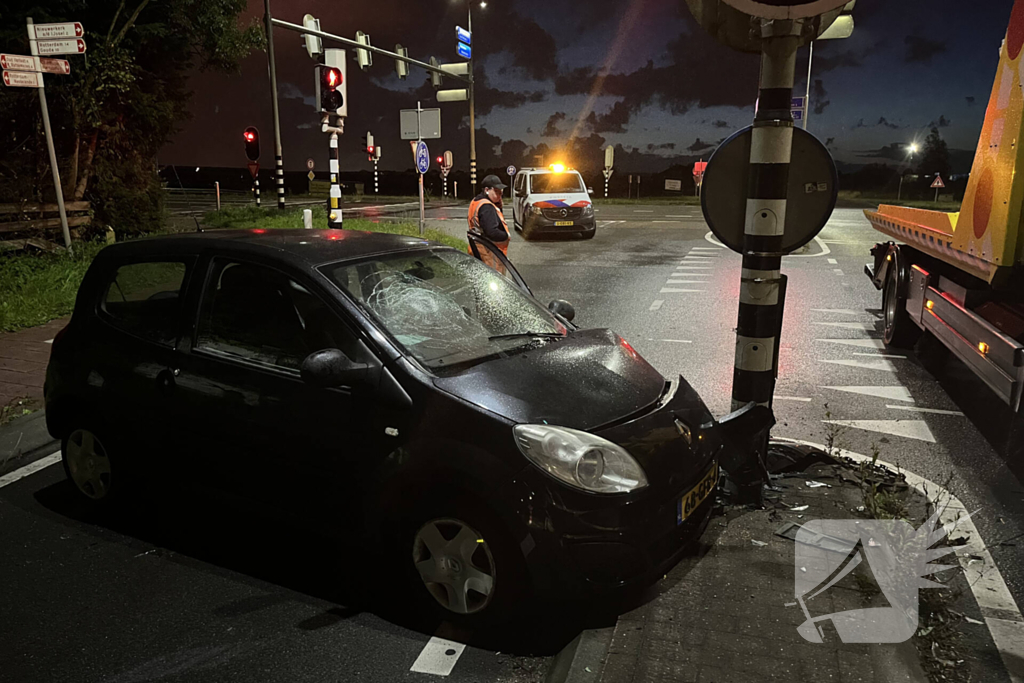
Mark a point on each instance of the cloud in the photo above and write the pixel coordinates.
(551, 128)
(829, 142)
(896, 151)
(970, 101)
(612, 122)
(820, 95)
(721, 124)
(699, 145)
(667, 145)
(489, 98)
(883, 122)
(533, 49)
(921, 49)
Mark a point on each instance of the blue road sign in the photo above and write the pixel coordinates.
(511, 170)
(798, 114)
(463, 35)
(798, 103)
(465, 51)
(422, 157)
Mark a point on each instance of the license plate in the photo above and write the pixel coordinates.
(695, 496)
(561, 223)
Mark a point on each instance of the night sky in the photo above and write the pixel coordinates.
(639, 74)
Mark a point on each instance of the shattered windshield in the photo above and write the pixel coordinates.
(444, 306)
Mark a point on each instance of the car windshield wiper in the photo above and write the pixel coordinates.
(526, 335)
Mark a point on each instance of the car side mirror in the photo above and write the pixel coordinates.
(331, 368)
(590, 190)
(562, 308)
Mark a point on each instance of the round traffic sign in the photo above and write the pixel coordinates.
(811, 197)
(310, 164)
(511, 170)
(422, 157)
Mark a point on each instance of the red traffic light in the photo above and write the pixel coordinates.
(332, 77)
(252, 143)
(369, 149)
(250, 136)
(440, 160)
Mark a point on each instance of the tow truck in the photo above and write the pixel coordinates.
(960, 276)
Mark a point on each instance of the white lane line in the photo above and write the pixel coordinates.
(861, 343)
(641, 211)
(438, 657)
(928, 410)
(839, 272)
(890, 393)
(48, 341)
(880, 355)
(706, 249)
(686, 282)
(793, 398)
(28, 469)
(691, 215)
(1002, 616)
(666, 221)
(845, 311)
(909, 429)
(833, 262)
(851, 326)
(670, 290)
(656, 305)
(672, 341)
(825, 250)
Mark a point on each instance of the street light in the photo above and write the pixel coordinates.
(911, 151)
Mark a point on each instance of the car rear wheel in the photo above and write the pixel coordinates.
(88, 465)
(468, 570)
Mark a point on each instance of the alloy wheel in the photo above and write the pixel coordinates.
(455, 564)
(88, 464)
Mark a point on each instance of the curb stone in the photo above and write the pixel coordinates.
(582, 660)
(25, 440)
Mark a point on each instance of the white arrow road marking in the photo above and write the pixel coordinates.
(656, 305)
(862, 343)
(435, 658)
(888, 393)
(670, 290)
(851, 326)
(1002, 616)
(910, 429)
(928, 410)
(883, 365)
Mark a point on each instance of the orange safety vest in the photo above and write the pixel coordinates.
(474, 227)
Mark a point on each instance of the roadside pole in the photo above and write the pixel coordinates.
(334, 203)
(472, 113)
(216, 187)
(256, 187)
(278, 159)
(807, 98)
(49, 142)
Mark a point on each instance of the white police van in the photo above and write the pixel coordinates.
(553, 200)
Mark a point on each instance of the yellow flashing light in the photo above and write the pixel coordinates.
(929, 304)
(983, 347)
(558, 168)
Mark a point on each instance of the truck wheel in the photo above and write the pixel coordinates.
(900, 331)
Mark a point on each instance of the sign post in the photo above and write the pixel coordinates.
(422, 165)
(52, 39)
(447, 161)
(938, 184)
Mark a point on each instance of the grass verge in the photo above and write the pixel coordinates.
(252, 218)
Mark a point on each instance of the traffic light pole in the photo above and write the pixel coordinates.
(278, 159)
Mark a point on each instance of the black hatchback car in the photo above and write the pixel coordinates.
(388, 385)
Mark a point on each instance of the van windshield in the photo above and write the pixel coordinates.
(556, 183)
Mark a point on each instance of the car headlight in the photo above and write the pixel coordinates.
(536, 210)
(580, 459)
(588, 210)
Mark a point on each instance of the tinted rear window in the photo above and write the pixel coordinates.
(145, 299)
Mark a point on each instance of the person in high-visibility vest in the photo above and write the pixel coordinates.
(486, 219)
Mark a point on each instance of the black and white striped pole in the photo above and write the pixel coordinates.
(334, 219)
(256, 189)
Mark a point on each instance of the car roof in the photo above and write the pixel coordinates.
(301, 247)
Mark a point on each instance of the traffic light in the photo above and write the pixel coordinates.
(252, 143)
(330, 86)
(402, 67)
(435, 78)
(363, 57)
(440, 161)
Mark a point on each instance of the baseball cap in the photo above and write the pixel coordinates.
(493, 181)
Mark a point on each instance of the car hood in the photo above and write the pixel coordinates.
(588, 379)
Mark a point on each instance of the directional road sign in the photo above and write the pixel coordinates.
(71, 29)
(67, 46)
(422, 125)
(422, 157)
(23, 79)
(28, 63)
(811, 193)
(463, 36)
(938, 182)
(511, 170)
(465, 51)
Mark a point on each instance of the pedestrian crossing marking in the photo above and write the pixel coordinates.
(861, 343)
(670, 290)
(909, 429)
(851, 326)
(883, 365)
(933, 411)
(889, 393)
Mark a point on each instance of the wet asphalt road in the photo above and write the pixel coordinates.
(191, 592)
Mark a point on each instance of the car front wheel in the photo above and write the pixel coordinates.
(88, 465)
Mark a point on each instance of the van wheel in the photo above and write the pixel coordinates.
(900, 331)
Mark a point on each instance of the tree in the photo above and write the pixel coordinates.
(935, 158)
(123, 100)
